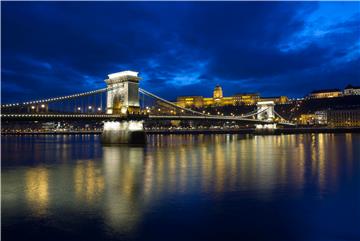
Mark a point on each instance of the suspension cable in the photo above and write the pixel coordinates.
(280, 116)
(58, 98)
(256, 112)
(192, 111)
(168, 102)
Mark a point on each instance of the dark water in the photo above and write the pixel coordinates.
(190, 187)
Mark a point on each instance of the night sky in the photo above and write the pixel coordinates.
(179, 48)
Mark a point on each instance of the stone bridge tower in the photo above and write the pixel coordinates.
(266, 109)
(266, 112)
(123, 99)
(123, 93)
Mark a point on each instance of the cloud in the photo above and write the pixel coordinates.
(58, 48)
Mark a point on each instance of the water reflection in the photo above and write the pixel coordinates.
(122, 173)
(37, 190)
(122, 184)
(88, 181)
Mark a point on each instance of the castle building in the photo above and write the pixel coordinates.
(218, 99)
(277, 99)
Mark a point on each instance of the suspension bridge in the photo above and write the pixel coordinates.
(123, 108)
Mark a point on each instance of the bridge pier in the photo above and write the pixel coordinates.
(265, 126)
(123, 132)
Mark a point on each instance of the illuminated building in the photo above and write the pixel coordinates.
(352, 90)
(246, 98)
(190, 101)
(306, 119)
(277, 99)
(217, 95)
(329, 93)
(218, 99)
(343, 118)
(227, 101)
(208, 101)
(321, 117)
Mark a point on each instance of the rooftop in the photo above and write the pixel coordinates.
(352, 87)
(271, 97)
(123, 73)
(246, 94)
(325, 91)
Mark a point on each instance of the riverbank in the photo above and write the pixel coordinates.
(261, 131)
(212, 131)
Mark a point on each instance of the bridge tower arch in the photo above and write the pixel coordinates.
(123, 93)
(265, 110)
(123, 99)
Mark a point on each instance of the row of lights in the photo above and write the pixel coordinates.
(79, 108)
(90, 108)
(47, 115)
(33, 107)
(50, 115)
(57, 98)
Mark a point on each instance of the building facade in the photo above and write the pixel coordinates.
(218, 99)
(276, 99)
(190, 101)
(343, 118)
(246, 98)
(352, 90)
(329, 93)
(321, 117)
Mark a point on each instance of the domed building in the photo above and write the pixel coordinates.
(218, 93)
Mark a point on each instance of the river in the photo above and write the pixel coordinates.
(181, 187)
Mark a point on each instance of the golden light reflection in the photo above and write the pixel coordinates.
(300, 153)
(88, 181)
(220, 164)
(206, 167)
(349, 151)
(322, 164)
(126, 170)
(37, 190)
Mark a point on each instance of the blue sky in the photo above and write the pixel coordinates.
(179, 48)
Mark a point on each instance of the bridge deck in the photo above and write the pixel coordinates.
(100, 117)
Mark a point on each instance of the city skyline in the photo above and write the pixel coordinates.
(271, 48)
